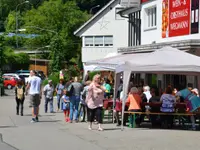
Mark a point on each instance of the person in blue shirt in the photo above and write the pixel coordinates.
(59, 90)
(66, 105)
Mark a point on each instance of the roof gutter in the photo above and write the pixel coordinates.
(127, 11)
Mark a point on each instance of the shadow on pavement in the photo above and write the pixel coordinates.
(111, 129)
(49, 121)
(50, 115)
(7, 127)
(27, 114)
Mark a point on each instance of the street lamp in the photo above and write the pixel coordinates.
(97, 6)
(16, 17)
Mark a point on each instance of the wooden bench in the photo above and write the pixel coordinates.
(154, 113)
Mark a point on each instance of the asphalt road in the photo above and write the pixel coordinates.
(52, 133)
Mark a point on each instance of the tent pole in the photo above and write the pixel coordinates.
(114, 95)
(126, 79)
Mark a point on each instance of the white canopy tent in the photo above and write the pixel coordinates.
(165, 60)
(95, 65)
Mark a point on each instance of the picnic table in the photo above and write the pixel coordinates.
(108, 103)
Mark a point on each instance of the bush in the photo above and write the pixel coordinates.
(54, 77)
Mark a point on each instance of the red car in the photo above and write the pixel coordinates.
(9, 82)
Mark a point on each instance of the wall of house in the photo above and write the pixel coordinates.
(155, 34)
(41, 66)
(106, 24)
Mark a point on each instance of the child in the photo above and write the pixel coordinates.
(20, 96)
(66, 105)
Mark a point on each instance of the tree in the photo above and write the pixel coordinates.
(2, 56)
(6, 6)
(8, 57)
(57, 16)
(57, 57)
(88, 4)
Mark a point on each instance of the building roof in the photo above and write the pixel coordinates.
(86, 24)
(181, 45)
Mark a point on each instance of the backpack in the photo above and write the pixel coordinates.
(20, 93)
(70, 90)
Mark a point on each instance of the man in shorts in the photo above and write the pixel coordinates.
(34, 87)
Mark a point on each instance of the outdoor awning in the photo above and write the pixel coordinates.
(164, 60)
(114, 61)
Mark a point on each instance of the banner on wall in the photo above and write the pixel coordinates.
(180, 17)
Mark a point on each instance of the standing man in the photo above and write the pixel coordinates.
(69, 82)
(75, 89)
(48, 93)
(34, 87)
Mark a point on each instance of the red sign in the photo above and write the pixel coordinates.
(179, 17)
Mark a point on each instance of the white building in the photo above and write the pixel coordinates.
(158, 23)
(183, 26)
(104, 33)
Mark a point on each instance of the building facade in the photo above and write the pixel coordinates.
(104, 33)
(154, 24)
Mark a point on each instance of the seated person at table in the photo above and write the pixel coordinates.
(192, 102)
(155, 98)
(144, 100)
(147, 92)
(134, 100)
(195, 91)
(168, 103)
(142, 95)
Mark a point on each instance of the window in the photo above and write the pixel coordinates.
(98, 41)
(117, 16)
(108, 41)
(151, 17)
(89, 41)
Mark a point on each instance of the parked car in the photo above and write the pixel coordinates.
(9, 82)
(16, 76)
(25, 76)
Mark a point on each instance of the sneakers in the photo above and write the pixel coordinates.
(67, 120)
(100, 129)
(36, 119)
(33, 120)
(89, 128)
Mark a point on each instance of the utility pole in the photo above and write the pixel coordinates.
(1, 67)
(16, 17)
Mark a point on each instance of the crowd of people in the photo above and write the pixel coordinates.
(168, 99)
(73, 98)
(77, 99)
